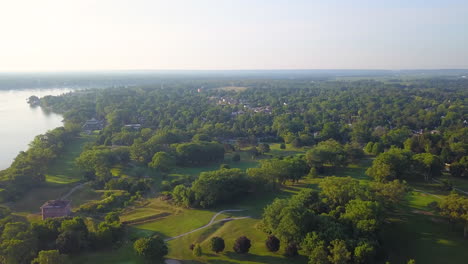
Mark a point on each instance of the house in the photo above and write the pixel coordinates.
(93, 124)
(133, 126)
(56, 208)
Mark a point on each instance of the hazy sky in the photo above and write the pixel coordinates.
(49, 35)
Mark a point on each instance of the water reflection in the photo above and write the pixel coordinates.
(20, 122)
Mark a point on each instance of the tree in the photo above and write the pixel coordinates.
(197, 250)
(50, 257)
(272, 243)
(162, 161)
(391, 165)
(455, 207)
(217, 244)
(151, 248)
(428, 165)
(14, 251)
(368, 147)
(377, 148)
(339, 254)
(264, 148)
(291, 250)
(340, 190)
(112, 217)
(282, 146)
(326, 152)
(364, 252)
(315, 248)
(242, 245)
(365, 216)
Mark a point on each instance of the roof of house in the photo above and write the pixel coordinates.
(56, 204)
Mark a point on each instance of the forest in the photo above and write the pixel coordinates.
(321, 172)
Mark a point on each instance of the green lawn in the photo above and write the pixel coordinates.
(415, 232)
(245, 163)
(412, 231)
(63, 169)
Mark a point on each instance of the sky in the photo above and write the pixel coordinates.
(75, 35)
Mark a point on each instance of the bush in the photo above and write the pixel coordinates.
(283, 146)
(242, 245)
(291, 250)
(217, 244)
(272, 243)
(197, 250)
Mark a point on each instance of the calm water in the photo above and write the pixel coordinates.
(20, 123)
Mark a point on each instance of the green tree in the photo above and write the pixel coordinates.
(152, 248)
(197, 250)
(391, 165)
(50, 257)
(272, 243)
(339, 254)
(264, 148)
(217, 244)
(326, 152)
(242, 245)
(428, 165)
(162, 161)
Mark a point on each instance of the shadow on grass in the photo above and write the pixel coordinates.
(264, 259)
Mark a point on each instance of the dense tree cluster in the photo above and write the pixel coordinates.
(52, 239)
(336, 225)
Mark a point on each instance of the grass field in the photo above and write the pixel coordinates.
(61, 176)
(63, 169)
(413, 231)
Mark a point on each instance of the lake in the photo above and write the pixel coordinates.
(20, 123)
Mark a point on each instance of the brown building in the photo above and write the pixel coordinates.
(56, 208)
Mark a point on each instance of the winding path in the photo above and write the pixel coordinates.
(79, 186)
(212, 221)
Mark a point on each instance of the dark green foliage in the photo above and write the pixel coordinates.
(199, 153)
(242, 245)
(390, 165)
(29, 167)
(50, 257)
(162, 161)
(221, 186)
(217, 244)
(272, 243)
(264, 148)
(152, 248)
(291, 250)
(327, 152)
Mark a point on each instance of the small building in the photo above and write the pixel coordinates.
(56, 208)
(93, 124)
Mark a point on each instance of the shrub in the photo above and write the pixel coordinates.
(217, 244)
(291, 250)
(197, 250)
(242, 245)
(272, 243)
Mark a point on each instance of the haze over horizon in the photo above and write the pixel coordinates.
(88, 35)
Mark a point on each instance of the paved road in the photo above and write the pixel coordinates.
(212, 221)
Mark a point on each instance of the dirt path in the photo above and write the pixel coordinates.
(212, 221)
(79, 186)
